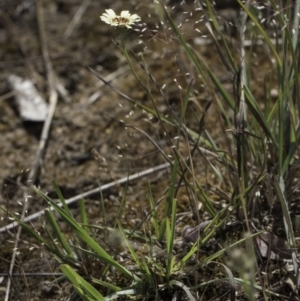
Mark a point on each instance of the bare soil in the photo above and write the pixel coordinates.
(81, 124)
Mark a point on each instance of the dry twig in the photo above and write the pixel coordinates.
(75, 20)
(91, 192)
(109, 78)
(44, 136)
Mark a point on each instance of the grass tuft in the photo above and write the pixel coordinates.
(232, 157)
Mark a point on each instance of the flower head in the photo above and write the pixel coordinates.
(125, 19)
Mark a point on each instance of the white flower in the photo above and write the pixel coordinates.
(125, 19)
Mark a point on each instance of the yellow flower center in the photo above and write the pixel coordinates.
(120, 20)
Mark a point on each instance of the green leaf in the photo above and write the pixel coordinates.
(84, 289)
(82, 234)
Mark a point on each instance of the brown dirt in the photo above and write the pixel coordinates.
(80, 126)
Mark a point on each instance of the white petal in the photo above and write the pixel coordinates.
(105, 16)
(110, 12)
(135, 18)
(125, 14)
(106, 19)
